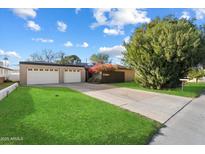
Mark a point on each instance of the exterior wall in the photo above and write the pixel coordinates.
(24, 67)
(1, 72)
(2, 79)
(200, 80)
(23, 74)
(61, 76)
(83, 75)
(13, 77)
(129, 74)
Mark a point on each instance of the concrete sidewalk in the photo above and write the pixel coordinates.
(186, 127)
(159, 107)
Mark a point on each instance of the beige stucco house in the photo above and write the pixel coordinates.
(50, 73)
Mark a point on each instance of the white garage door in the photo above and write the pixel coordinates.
(71, 76)
(42, 76)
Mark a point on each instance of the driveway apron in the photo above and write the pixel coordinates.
(186, 127)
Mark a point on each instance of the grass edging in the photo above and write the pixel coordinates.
(6, 91)
(191, 90)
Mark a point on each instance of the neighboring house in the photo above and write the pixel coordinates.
(6, 73)
(50, 73)
(200, 80)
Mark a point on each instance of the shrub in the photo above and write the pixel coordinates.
(101, 68)
(196, 73)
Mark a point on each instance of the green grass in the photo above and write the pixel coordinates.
(190, 89)
(5, 84)
(63, 116)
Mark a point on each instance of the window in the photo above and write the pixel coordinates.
(56, 70)
(78, 70)
(46, 69)
(51, 69)
(66, 70)
(70, 70)
(41, 69)
(74, 70)
(30, 69)
(35, 69)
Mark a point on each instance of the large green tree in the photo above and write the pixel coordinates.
(162, 51)
(202, 49)
(71, 59)
(100, 58)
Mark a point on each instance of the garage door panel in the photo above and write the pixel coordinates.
(72, 77)
(42, 77)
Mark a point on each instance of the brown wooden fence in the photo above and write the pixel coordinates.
(112, 77)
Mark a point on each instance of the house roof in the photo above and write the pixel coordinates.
(50, 64)
(122, 67)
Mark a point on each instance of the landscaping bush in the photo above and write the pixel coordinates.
(162, 51)
(102, 67)
(97, 69)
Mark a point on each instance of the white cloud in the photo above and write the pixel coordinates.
(84, 45)
(118, 18)
(43, 40)
(100, 17)
(127, 39)
(121, 17)
(185, 15)
(115, 51)
(113, 31)
(200, 13)
(61, 26)
(33, 26)
(77, 10)
(68, 44)
(25, 13)
(9, 54)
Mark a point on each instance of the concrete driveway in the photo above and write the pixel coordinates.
(159, 107)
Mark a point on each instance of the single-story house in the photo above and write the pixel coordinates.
(50, 73)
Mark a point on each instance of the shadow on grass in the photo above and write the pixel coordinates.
(82, 87)
(13, 130)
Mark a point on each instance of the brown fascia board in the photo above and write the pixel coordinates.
(49, 64)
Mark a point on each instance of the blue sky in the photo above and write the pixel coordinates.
(75, 31)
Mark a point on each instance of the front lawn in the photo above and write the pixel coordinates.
(190, 89)
(32, 115)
